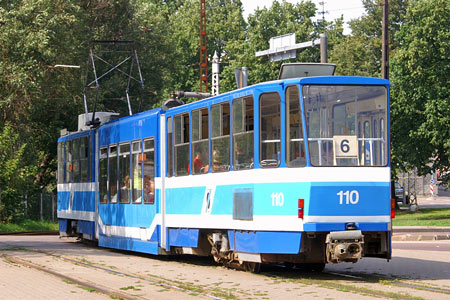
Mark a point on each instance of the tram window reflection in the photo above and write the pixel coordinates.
(124, 173)
(61, 168)
(338, 113)
(103, 176)
(84, 159)
(136, 171)
(243, 126)
(76, 160)
(200, 142)
(112, 168)
(270, 130)
(149, 171)
(182, 144)
(220, 137)
(68, 156)
(295, 143)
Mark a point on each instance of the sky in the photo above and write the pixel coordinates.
(351, 9)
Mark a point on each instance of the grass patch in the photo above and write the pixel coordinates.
(423, 217)
(14, 249)
(28, 225)
(90, 290)
(129, 288)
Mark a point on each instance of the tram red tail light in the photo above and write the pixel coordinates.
(392, 208)
(301, 206)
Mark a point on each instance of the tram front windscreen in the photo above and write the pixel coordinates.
(346, 124)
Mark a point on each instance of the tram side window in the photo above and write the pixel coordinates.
(270, 130)
(76, 160)
(112, 166)
(169, 147)
(84, 159)
(61, 169)
(124, 173)
(295, 143)
(220, 137)
(68, 155)
(103, 176)
(182, 144)
(149, 171)
(136, 164)
(243, 133)
(200, 141)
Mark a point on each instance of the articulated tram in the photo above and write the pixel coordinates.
(292, 171)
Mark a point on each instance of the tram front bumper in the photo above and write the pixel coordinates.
(344, 246)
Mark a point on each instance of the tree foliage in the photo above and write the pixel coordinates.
(13, 175)
(359, 54)
(37, 99)
(420, 113)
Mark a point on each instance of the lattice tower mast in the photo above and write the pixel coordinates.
(323, 12)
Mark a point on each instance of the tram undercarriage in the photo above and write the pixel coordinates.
(317, 249)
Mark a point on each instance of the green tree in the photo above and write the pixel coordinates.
(281, 18)
(359, 54)
(224, 25)
(420, 110)
(13, 175)
(36, 98)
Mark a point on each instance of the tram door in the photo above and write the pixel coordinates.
(371, 136)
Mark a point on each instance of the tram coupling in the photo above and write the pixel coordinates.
(344, 246)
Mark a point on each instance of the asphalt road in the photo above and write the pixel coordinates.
(428, 262)
(423, 246)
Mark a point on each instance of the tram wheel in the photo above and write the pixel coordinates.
(288, 265)
(252, 267)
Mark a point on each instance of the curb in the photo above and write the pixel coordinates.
(413, 229)
(418, 237)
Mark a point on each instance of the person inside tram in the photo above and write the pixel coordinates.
(299, 160)
(125, 189)
(137, 185)
(199, 165)
(149, 189)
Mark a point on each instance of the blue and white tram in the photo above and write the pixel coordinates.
(294, 171)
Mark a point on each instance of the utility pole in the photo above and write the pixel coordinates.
(385, 42)
(323, 48)
(203, 52)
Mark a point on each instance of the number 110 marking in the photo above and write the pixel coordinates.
(351, 197)
(277, 199)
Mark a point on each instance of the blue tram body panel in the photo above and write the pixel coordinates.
(131, 226)
(370, 199)
(76, 200)
(257, 209)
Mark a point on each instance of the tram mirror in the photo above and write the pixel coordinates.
(297, 70)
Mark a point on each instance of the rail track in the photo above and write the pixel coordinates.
(371, 286)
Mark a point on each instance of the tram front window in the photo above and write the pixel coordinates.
(338, 121)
